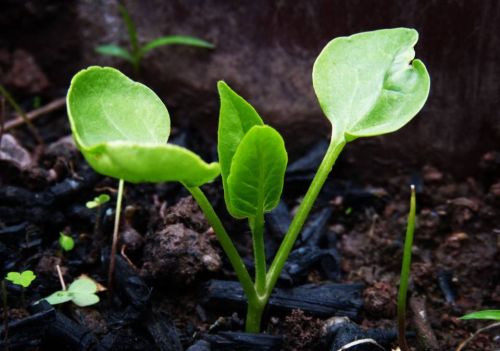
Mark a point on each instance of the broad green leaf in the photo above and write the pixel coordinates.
(66, 242)
(257, 172)
(23, 279)
(369, 83)
(83, 285)
(138, 163)
(105, 105)
(236, 118)
(59, 297)
(84, 299)
(122, 127)
(486, 314)
(114, 50)
(176, 40)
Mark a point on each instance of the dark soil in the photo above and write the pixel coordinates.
(169, 253)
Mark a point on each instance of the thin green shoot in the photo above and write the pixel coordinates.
(405, 273)
(116, 231)
(5, 93)
(484, 314)
(66, 242)
(138, 51)
(99, 200)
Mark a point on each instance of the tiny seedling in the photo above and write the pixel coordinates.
(485, 314)
(82, 292)
(367, 84)
(137, 51)
(98, 201)
(66, 242)
(405, 272)
(23, 279)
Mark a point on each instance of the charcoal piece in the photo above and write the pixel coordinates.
(308, 164)
(28, 332)
(163, 331)
(446, 285)
(315, 228)
(342, 333)
(278, 220)
(130, 286)
(65, 334)
(13, 231)
(13, 195)
(200, 345)
(321, 300)
(236, 341)
(300, 261)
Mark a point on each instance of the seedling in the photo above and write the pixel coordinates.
(82, 292)
(98, 201)
(66, 242)
(23, 279)
(367, 84)
(405, 273)
(137, 51)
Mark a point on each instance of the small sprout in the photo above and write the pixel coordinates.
(98, 201)
(66, 242)
(82, 292)
(137, 50)
(23, 279)
(485, 314)
(348, 211)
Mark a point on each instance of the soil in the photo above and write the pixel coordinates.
(169, 252)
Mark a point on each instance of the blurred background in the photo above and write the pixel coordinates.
(265, 50)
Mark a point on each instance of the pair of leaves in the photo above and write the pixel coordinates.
(82, 292)
(98, 201)
(137, 50)
(122, 127)
(23, 279)
(252, 156)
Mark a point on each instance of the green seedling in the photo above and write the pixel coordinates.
(82, 292)
(405, 273)
(66, 242)
(137, 51)
(23, 279)
(485, 314)
(98, 201)
(367, 84)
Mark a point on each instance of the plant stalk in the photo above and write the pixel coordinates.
(112, 258)
(226, 243)
(337, 143)
(405, 273)
(21, 113)
(259, 252)
(254, 317)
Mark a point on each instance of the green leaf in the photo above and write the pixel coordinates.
(102, 199)
(257, 172)
(176, 40)
(83, 299)
(236, 118)
(121, 127)
(23, 279)
(132, 31)
(59, 297)
(369, 83)
(138, 163)
(105, 105)
(66, 242)
(485, 314)
(83, 285)
(114, 50)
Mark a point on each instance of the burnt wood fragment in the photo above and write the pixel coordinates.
(28, 332)
(446, 285)
(321, 300)
(236, 341)
(200, 345)
(163, 331)
(316, 227)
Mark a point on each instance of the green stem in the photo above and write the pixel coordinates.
(21, 113)
(254, 317)
(226, 243)
(259, 252)
(405, 273)
(336, 145)
(112, 258)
